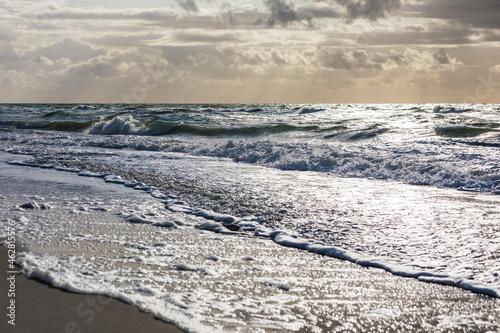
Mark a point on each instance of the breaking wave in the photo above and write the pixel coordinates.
(463, 131)
(127, 125)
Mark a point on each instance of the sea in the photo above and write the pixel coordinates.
(412, 190)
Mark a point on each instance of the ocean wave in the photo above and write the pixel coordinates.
(482, 143)
(449, 109)
(124, 124)
(54, 114)
(462, 131)
(118, 125)
(64, 126)
(410, 144)
(473, 166)
(127, 125)
(306, 110)
(85, 107)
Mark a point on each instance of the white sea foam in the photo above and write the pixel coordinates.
(118, 125)
(291, 239)
(48, 269)
(388, 264)
(306, 110)
(448, 109)
(126, 252)
(471, 166)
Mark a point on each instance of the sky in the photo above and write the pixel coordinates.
(264, 51)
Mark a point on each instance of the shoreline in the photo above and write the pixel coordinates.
(42, 308)
(199, 276)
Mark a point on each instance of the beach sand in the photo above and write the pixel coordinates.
(41, 308)
(253, 283)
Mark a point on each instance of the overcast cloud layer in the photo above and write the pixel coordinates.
(298, 51)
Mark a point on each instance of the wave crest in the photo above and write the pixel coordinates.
(124, 125)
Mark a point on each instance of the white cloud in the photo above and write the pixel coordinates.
(348, 60)
(410, 59)
(225, 62)
(74, 50)
(495, 69)
(426, 60)
(63, 61)
(39, 59)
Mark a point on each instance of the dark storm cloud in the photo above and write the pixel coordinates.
(492, 36)
(283, 13)
(478, 14)
(442, 57)
(226, 14)
(319, 11)
(188, 5)
(369, 9)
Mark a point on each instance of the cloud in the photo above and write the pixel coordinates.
(319, 11)
(226, 14)
(232, 63)
(39, 59)
(100, 14)
(411, 59)
(495, 69)
(478, 14)
(442, 57)
(347, 60)
(145, 19)
(283, 13)
(206, 37)
(430, 34)
(188, 5)
(116, 76)
(99, 67)
(369, 9)
(7, 52)
(126, 39)
(41, 64)
(426, 60)
(111, 49)
(71, 49)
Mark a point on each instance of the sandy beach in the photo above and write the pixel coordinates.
(41, 308)
(201, 280)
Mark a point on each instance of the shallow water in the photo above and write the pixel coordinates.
(407, 188)
(205, 281)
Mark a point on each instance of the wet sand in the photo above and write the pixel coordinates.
(41, 308)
